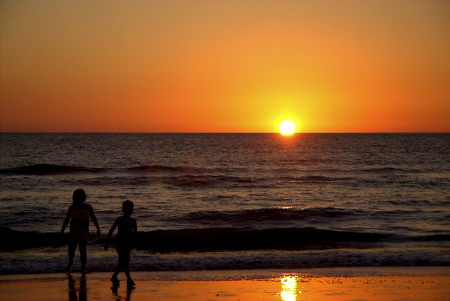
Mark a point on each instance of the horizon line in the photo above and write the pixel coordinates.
(77, 132)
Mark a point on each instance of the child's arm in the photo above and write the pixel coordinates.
(111, 231)
(134, 233)
(94, 220)
(67, 219)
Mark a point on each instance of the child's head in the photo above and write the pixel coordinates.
(79, 196)
(127, 207)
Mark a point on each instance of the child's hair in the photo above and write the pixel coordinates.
(127, 207)
(79, 196)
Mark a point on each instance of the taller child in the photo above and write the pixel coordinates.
(78, 214)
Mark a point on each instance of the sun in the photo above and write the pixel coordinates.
(287, 127)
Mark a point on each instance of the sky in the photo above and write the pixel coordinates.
(225, 66)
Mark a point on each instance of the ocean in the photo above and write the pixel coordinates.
(230, 201)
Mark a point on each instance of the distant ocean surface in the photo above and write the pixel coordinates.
(230, 201)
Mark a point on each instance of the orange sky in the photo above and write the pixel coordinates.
(225, 66)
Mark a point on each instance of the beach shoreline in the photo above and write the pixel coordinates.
(365, 283)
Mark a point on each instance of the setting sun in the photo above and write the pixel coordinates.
(287, 127)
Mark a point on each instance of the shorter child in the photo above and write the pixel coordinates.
(126, 237)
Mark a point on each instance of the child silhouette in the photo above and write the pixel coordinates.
(78, 214)
(126, 236)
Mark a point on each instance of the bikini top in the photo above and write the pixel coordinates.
(80, 213)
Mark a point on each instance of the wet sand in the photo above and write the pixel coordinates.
(321, 284)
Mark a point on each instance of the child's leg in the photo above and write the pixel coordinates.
(126, 268)
(114, 278)
(118, 267)
(72, 247)
(83, 254)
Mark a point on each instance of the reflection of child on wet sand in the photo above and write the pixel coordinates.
(78, 214)
(126, 236)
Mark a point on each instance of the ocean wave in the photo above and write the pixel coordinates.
(19, 240)
(177, 175)
(290, 260)
(267, 214)
(161, 168)
(213, 239)
(48, 169)
(236, 239)
(111, 181)
(248, 262)
(314, 179)
(229, 249)
(390, 170)
(182, 180)
(227, 239)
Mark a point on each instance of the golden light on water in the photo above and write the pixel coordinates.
(289, 288)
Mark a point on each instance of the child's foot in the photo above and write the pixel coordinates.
(114, 280)
(130, 283)
(68, 267)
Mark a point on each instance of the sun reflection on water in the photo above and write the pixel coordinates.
(289, 288)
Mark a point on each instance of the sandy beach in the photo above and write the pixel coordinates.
(319, 284)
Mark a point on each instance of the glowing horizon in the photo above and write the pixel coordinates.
(231, 66)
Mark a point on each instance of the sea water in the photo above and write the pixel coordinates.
(231, 201)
